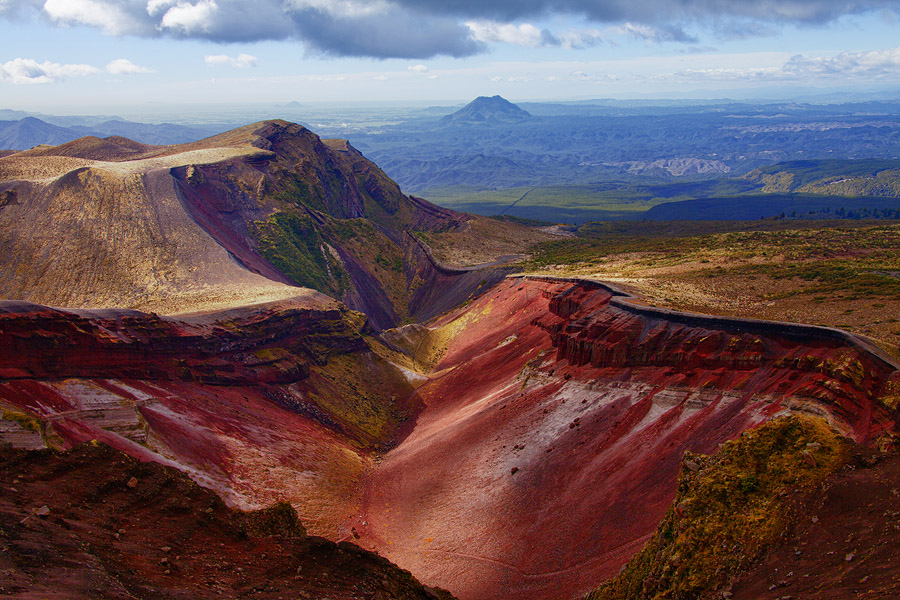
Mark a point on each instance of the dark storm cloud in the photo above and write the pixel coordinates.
(390, 35)
(422, 28)
(655, 11)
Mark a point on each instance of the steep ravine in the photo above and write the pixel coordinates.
(534, 458)
(285, 401)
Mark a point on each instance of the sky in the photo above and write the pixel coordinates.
(82, 56)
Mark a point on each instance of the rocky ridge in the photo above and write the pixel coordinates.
(239, 218)
(531, 397)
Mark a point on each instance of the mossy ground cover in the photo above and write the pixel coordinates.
(795, 239)
(380, 255)
(367, 398)
(729, 506)
(291, 242)
(25, 421)
(555, 203)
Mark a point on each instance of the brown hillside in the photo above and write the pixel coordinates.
(241, 217)
(113, 148)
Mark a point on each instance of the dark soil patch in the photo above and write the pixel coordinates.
(94, 523)
(843, 543)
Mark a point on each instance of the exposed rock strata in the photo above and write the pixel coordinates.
(555, 424)
(278, 402)
(536, 458)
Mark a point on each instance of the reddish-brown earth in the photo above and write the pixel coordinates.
(94, 523)
(279, 402)
(538, 456)
(843, 542)
(555, 423)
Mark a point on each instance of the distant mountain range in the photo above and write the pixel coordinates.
(494, 144)
(27, 132)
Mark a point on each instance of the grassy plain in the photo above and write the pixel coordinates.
(565, 203)
(837, 273)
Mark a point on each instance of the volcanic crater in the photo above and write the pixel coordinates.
(259, 311)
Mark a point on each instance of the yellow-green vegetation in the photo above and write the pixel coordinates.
(596, 201)
(379, 254)
(483, 240)
(777, 182)
(272, 354)
(883, 183)
(792, 241)
(834, 177)
(729, 506)
(314, 182)
(393, 356)
(25, 421)
(291, 242)
(890, 395)
(364, 395)
(361, 235)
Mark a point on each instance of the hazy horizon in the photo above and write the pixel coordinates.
(84, 56)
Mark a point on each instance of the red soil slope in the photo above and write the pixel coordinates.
(555, 423)
(262, 404)
(94, 523)
(538, 456)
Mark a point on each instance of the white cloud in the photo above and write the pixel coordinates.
(417, 68)
(511, 79)
(106, 15)
(27, 70)
(579, 75)
(155, 6)
(187, 17)
(724, 74)
(583, 38)
(344, 8)
(866, 65)
(381, 78)
(871, 63)
(421, 29)
(241, 61)
(524, 34)
(123, 66)
(649, 33)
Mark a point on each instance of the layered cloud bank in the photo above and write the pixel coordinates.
(426, 28)
(28, 70)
